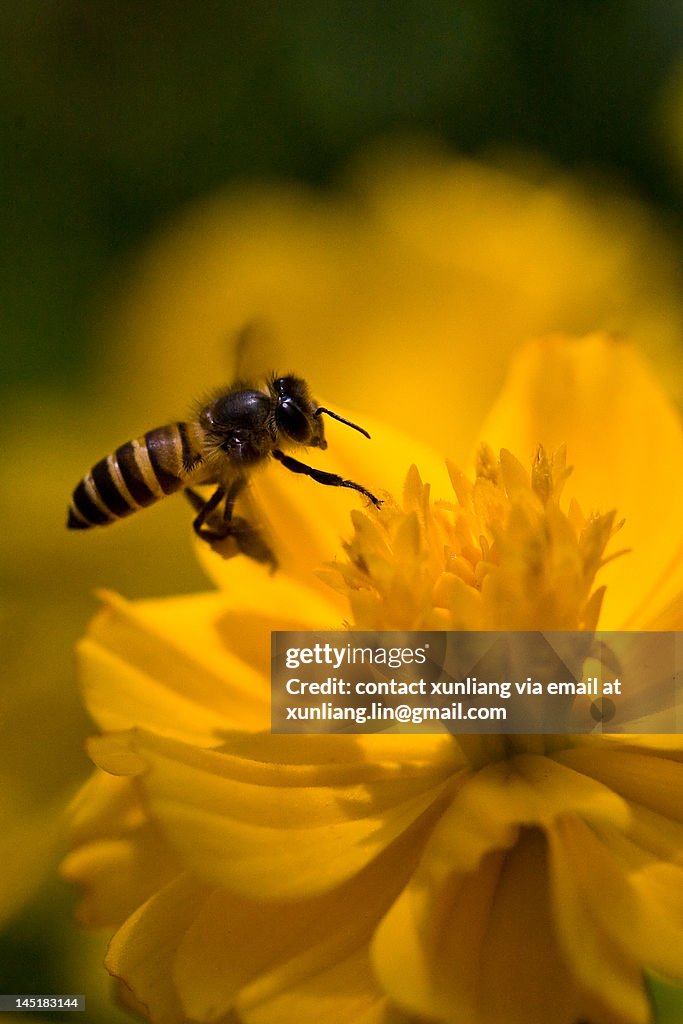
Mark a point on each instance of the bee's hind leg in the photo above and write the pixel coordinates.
(218, 530)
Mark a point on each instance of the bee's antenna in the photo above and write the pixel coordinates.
(335, 416)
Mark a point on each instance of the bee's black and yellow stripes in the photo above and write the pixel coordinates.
(137, 474)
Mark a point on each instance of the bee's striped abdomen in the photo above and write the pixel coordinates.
(137, 474)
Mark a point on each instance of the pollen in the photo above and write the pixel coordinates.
(501, 552)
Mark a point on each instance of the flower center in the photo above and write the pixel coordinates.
(502, 554)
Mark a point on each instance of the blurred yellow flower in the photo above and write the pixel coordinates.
(397, 878)
(422, 264)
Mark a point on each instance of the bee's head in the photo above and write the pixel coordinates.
(296, 413)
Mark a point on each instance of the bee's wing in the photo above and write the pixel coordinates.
(255, 350)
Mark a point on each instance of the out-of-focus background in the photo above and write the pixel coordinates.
(117, 121)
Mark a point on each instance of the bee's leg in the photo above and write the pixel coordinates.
(219, 530)
(204, 509)
(233, 493)
(195, 499)
(246, 536)
(329, 479)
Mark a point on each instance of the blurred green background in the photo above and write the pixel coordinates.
(115, 115)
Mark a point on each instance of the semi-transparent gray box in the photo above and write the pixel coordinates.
(476, 682)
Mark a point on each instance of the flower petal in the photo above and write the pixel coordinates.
(486, 951)
(268, 958)
(186, 667)
(607, 925)
(104, 803)
(345, 991)
(120, 858)
(142, 951)
(639, 777)
(305, 522)
(472, 937)
(118, 874)
(598, 396)
(223, 950)
(318, 808)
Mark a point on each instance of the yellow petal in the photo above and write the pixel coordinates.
(655, 782)
(486, 952)
(662, 609)
(119, 858)
(478, 909)
(232, 818)
(528, 790)
(345, 991)
(142, 951)
(164, 664)
(118, 874)
(208, 950)
(306, 522)
(274, 959)
(623, 437)
(253, 594)
(103, 803)
(604, 924)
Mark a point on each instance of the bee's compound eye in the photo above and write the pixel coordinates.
(293, 422)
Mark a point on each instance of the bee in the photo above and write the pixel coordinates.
(239, 429)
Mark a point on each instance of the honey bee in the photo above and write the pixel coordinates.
(239, 429)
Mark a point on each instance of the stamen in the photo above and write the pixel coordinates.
(503, 555)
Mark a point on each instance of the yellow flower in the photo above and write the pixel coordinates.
(392, 878)
(419, 251)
